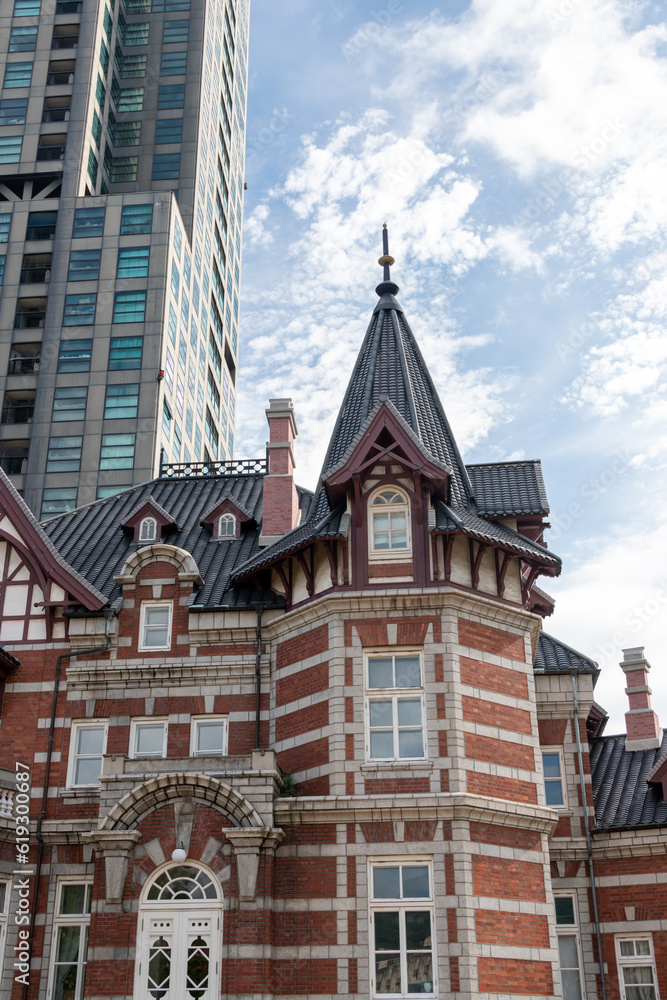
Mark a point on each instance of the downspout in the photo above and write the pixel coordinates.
(589, 841)
(47, 771)
(259, 608)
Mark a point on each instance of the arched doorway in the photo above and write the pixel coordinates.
(179, 935)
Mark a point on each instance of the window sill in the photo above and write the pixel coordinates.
(397, 765)
(390, 556)
(87, 793)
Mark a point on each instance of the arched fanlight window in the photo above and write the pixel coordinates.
(148, 530)
(182, 882)
(390, 522)
(227, 526)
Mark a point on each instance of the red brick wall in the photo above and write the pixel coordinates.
(522, 930)
(301, 647)
(499, 751)
(501, 878)
(312, 928)
(491, 640)
(501, 788)
(305, 878)
(305, 756)
(304, 683)
(502, 680)
(303, 721)
(512, 975)
(396, 786)
(489, 713)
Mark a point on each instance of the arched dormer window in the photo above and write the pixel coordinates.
(226, 526)
(389, 527)
(148, 530)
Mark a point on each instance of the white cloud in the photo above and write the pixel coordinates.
(254, 228)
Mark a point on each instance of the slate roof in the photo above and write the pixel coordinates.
(91, 540)
(622, 795)
(459, 519)
(555, 657)
(507, 489)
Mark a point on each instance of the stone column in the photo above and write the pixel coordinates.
(248, 841)
(115, 846)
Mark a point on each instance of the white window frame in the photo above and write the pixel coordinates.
(3, 921)
(572, 930)
(152, 723)
(145, 522)
(390, 554)
(563, 785)
(635, 962)
(199, 720)
(72, 756)
(69, 920)
(148, 605)
(402, 904)
(395, 694)
(227, 519)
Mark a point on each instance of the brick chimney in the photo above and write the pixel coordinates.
(642, 724)
(281, 503)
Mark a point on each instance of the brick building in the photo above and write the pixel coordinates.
(277, 743)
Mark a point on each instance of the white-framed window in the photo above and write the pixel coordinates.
(148, 530)
(148, 738)
(554, 784)
(637, 974)
(389, 524)
(569, 946)
(155, 625)
(208, 736)
(70, 940)
(5, 889)
(226, 526)
(395, 706)
(402, 930)
(88, 741)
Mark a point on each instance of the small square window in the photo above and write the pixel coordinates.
(169, 96)
(129, 307)
(175, 31)
(148, 738)
(13, 110)
(69, 403)
(136, 219)
(136, 34)
(127, 134)
(84, 265)
(125, 353)
(209, 737)
(79, 310)
(121, 401)
(128, 99)
(168, 130)
(74, 355)
(64, 454)
(173, 63)
(123, 169)
(552, 764)
(166, 166)
(17, 74)
(155, 626)
(22, 39)
(133, 65)
(133, 262)
(88, 222)
(117, 451)
(58, 500)
(10, 148)
(87, 749)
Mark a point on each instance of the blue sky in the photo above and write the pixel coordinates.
(518, 151)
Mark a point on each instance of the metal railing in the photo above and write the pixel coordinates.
(50, 153)
(14, 465)
(68, 7)
(29, 320)
(235, 467)
(23, 366)
(40, 232)
(36, 275)
(52, 79)
(55, 115)
(65, 42)
(18, 414)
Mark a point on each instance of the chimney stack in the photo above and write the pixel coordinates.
(642, 724)
(281, 503)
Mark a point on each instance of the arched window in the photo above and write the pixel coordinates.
(148, 530)
(227, 526)
(179, 934)
(389, 529)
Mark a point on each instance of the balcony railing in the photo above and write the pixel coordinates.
(50, 152)
(53, 79)
(68, 7)
(55, 115)
(40, 232)
(32, 320)
(23, 366)
(14, 465)
(64, 42)
(235, 467)
(36, 275)
(18, 414)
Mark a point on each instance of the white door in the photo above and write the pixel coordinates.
(179, 954)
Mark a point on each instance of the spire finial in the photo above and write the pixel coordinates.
(385, 261)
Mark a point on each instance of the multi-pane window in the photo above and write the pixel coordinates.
(155, 626)
(226, 526)
(127, 134)
(69, 403)
(17, 74)
(84, 265)
(553, 777)
(175, 31)
(129, 307)
(88, 222)
(209, 737)
(79, 310)
(636, 968)
(117, 451)
(148, 530)
(133, 262)
(389, 529)
(136, 34)
(123, 169)
(168, 130)
(166, 419)
(395, 707)
(121, 401)
(64, 454)
(148, 738)
(402, 929)
(5, 222)
(57, 500)
(136, 219)
(71, 940)
(23, 38)
(125, 353)
(569, 950)
(3, 258)
(27, 8)
(133, 65)
(13, 110)
(110, 491)
(173, 63)
(74, 355)
(10, 148)
(87, 748)
(168, 96)
(166, 166)
(128, 99)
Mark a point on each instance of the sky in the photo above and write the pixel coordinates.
(517, 150)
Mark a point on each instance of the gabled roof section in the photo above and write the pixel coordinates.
(25, 529)
(508, 489)
(622, 790)
(150, 508)
(556, 657)
(228, 505)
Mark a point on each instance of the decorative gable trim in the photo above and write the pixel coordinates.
(188, 571)
(658, 776)
(231, 508)
(149, 511)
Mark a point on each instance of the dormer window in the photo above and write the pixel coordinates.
(148, 530)
(389, 528)
(226, 526)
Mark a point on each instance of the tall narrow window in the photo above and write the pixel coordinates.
(390, 523)
(395, 707)
(636, 968)
(70, 948)
(552, 763)
(402, 929)
(87, 747)
(5, 888)
(569, 949)
(155, 627)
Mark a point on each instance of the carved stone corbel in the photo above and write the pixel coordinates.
(115, 846)
(248, 842)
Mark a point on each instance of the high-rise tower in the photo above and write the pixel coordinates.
(122, 144)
